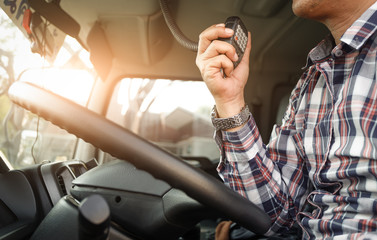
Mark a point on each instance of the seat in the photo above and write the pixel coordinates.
(18, 209)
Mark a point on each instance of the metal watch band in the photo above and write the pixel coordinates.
(231, 122)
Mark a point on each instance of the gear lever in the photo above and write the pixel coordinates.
(94, 218)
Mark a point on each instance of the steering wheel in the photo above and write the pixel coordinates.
(123, 144)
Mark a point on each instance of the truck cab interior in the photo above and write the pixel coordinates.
(126, 150)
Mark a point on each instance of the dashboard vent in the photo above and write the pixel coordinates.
(62, 185)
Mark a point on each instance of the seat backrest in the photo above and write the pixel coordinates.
(18, 208)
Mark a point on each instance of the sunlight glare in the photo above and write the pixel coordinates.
(165, 96)
(73, 84)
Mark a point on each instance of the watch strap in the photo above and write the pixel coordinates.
(231, 122)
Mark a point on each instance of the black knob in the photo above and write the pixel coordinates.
(94, 218)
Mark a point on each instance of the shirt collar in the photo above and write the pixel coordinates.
(355, 36)
(321, 52)
(361, 29)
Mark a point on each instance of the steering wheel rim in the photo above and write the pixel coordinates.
(114, 139)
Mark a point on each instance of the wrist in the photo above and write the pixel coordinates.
(230, 108)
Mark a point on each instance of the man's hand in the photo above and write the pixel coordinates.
(215, 60)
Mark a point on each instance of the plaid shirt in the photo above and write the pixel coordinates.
(324, 155)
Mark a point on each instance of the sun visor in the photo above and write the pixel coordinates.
(100, 53)
(137, 40)
(56, 16)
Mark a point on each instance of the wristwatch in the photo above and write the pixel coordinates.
(231, 122)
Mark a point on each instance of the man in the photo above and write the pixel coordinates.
(324, 155)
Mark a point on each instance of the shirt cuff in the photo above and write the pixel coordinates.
(241, 145)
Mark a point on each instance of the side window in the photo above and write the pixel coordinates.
(29, 140)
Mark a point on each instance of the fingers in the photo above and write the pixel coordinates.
(215, 54)
(216, 59)
(215, 64)
(212, 33)
(220, 47)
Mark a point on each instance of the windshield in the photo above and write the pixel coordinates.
(172, 114)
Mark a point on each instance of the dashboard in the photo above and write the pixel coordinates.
(28, 195)
(58, 177)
